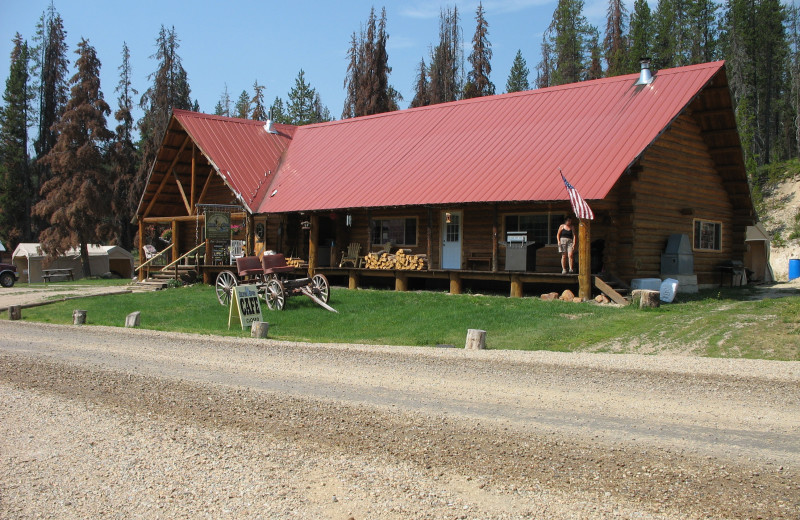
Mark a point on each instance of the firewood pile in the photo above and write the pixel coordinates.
(401, 260)
(296, 262)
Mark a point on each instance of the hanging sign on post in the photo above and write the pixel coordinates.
(245, 303)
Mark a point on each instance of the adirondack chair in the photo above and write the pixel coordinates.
(352, 255)
(237, 250)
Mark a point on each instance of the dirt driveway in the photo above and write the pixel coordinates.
(24, 294)
(109, 422)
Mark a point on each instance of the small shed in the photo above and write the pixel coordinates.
(30, 260)
(756, 258)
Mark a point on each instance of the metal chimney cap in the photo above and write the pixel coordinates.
(645, 77)
(268, 126)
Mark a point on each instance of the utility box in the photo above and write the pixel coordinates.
(518, 255)
(677, 257)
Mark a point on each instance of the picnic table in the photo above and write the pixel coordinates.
(48, 274)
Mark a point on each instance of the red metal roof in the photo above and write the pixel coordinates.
(244, 154)
(499, 148)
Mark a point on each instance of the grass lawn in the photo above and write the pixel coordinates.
(718, 323)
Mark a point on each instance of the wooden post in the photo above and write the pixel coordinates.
(352, 280)
(476, 339)
(313, 238)
(15, 312)
(584, 260)
(259, 329)
(516, 286)
(141, 249)
(401, 282)
(250, 240)
(455, 283)
(175, 245)
(429, 250)
(194, 180)
(78, 317)
(494, 241)
(133, 319)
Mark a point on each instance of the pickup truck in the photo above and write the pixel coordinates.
(8, 275)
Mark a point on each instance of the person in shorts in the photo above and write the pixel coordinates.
(566, 244)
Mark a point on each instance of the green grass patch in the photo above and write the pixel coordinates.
(719, 323)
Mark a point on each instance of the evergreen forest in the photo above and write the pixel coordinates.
(73, 162)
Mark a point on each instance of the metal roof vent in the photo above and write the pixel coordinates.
(645, 77)
(268, 126)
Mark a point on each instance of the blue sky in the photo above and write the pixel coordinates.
(237, 42)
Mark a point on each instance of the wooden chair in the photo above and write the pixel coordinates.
(237, 250)
(352, 255)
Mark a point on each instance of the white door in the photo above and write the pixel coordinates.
(451, 240)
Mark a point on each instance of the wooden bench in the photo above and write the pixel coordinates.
(275, 264)
(48, 274)
(249, 266)
(479, 258)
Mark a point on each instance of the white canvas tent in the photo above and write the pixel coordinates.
(756, 258)
(29, 259)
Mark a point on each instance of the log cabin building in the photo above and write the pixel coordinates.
(653, 155)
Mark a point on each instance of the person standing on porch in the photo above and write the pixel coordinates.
(566, 244)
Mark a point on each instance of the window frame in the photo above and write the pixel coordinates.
(552, 226)
(373, 223)
(698, 241)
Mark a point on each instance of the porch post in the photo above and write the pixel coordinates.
(313, 238)
(494, 241)
(584, 260)
(429, 244)
(250, 239)
(141, 249)
(175, 248)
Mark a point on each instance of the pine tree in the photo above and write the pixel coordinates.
(304, 106)
(615, 44)
(170, 89)
(640, 35)
(77, 199)
(278, 113)
(367, 81)
(667, 32)
(242, 107)
(756, 49)
(595, 70)
(478, 82)
(518, 76)
(16, 189)
(50, 70)
(545, 69)
(223, 107)
(568, 35)
(257, 102)
(446, 69)
(123, 155)
(421, 88)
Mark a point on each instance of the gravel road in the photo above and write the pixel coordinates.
(121, 423)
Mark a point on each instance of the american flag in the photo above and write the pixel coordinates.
(579, 206)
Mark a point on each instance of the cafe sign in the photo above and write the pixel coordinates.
(245, 304)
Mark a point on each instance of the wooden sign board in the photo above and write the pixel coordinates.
(245, 303)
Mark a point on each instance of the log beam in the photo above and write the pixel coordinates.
(584, 260)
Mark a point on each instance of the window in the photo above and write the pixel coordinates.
(398, 231)
(541, 228)
(707, 235)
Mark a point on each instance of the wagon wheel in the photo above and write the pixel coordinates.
(275, 295)
(226, 281)
(321, 287)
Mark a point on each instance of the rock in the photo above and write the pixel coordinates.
(549, 296)
(133, 319)
(567, 296)
(602, 299)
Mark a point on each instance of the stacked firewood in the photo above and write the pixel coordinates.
(402, 260)
(296, 262)
(408, 262)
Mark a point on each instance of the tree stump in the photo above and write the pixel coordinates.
(133, 319)
(476, 339)
(78, 317)
(646, 298)
(259, 329)
(15, 312)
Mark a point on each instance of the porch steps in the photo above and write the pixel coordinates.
(613, 288)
